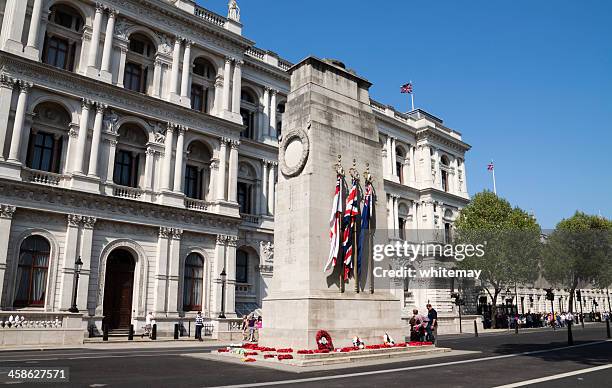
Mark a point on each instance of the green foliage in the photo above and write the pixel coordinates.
(511, 238)
(579, 252)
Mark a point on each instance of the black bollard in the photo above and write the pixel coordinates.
(570, 337)
(91, 331)
(154, 332)
(176, 331)
(105, 333)
(131, 333)
(516, 323)
(608, 327)
(475, 329)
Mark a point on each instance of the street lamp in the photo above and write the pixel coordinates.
(223, 279)
(78, 264)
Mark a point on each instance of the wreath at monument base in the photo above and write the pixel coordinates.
(324, 341)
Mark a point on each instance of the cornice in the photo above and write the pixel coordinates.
(66, 201)
(79, 86)
(445, 196)
(267, 68)
(442, 138)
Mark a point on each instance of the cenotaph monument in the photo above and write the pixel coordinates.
(327, 114)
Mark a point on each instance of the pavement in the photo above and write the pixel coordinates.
(539, 358)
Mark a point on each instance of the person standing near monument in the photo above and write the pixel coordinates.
(199, 323)
(432, 317)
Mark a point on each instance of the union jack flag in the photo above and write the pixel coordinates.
(351, 211)
(366, 215)
(406, 88)
(490, 166)
(334, 226)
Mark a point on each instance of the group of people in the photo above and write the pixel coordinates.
(422, 327)
(250, 327)
(530, 319)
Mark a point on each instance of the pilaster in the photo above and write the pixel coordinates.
(6, 218)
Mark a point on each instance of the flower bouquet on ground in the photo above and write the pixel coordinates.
(266, 356)
(223, 350)
(284, 357)
(287, 350)
(324, 341)
(305, 351)
(249, 360)
(251, 353)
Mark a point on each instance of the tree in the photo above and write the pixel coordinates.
(577, 252)
(511, 240)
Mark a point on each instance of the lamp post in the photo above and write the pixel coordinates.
(223, 279)
(78, 264)
(579, 296)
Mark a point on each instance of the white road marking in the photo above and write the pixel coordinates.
(65, 356)
(555, 377)
(385, 371)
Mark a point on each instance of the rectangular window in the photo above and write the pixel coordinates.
(56, 53)
(198, 98)
(444, 181)
(43, 152)
(133, 79)
(244, 197)
(191, 182)
(124, 167)
(242, 267)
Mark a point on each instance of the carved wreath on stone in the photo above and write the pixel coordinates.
(289, 139)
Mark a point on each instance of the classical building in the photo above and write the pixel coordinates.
(141, 136)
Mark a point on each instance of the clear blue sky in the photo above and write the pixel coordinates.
(528, 83)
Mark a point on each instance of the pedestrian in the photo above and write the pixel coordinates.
(258, 326)
(251, 324)
(569, 318)
(199, 323)
(245, 328)
(432, 323)
(416, 326)
(148, 325)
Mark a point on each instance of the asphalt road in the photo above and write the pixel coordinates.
(537, 358)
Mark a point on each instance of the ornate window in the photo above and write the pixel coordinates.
(193, 283)
(248, 111)
(400, 156)
(126, 169)
(203, 85)
(63, 37)
(47, 137)
(197, 171)
(242, 266)
(245, 193)
(139, 60)
(247, 178)
(280, 110)
(32, 271)
(130, 156)
(444, 172)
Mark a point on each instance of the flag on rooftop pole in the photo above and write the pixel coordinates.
(407, 88)
(335, 225)
(351, 211)
(491, 167)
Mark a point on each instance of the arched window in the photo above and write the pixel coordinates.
(32, 272)
(139, 60)
(47, 137)
(193, 283)
(246, 188)
(242, 266)
(280, 110)
(130, 155)
(197, 171)
(444, 172)
(203, 85)
(399, 164)
(248, 110)
(63, 37)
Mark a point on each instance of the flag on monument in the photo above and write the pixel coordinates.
(335, 227)
(366, 215)
(351, 211)
(490, 166)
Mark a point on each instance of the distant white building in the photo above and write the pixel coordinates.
(141, 136)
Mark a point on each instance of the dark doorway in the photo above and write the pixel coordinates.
(118, 289)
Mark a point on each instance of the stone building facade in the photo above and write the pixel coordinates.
(141, 136)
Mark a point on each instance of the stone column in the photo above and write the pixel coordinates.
(96, 139)
(174, 265)
(273, 133)
(437, 181)
(178, 163)
(227, 74)
(157, 77)
(85, 253)
(233, 171)
(390, 222)
(6, 218)
(167, 168)
(32, 49)
(230, 289)
(22, 102)
(212, 181)
(237, 86)
(217, 105)
(413, 165)
(66, 268)
(122, 60)
(221, 181)
(12, 26)
(265, 131)
(149, 159)
(6, 96)
(105, 70)
(176, 57)
(426, 154)
(396, 215)
(110, 167)
(271, 187)
(218, 266)
(92, 56)
(185, 89)
(161, 271)
(264, 188)
(82, 139)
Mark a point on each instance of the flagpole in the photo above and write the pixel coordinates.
(412, 100)
(494, 186)
(355, 176)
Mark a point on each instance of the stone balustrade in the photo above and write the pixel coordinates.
(210, 16)
(196, 204)
(256, 53)
(250, 218)
(127, 192)
(244, 289)
(40, 328)
(41, 177)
